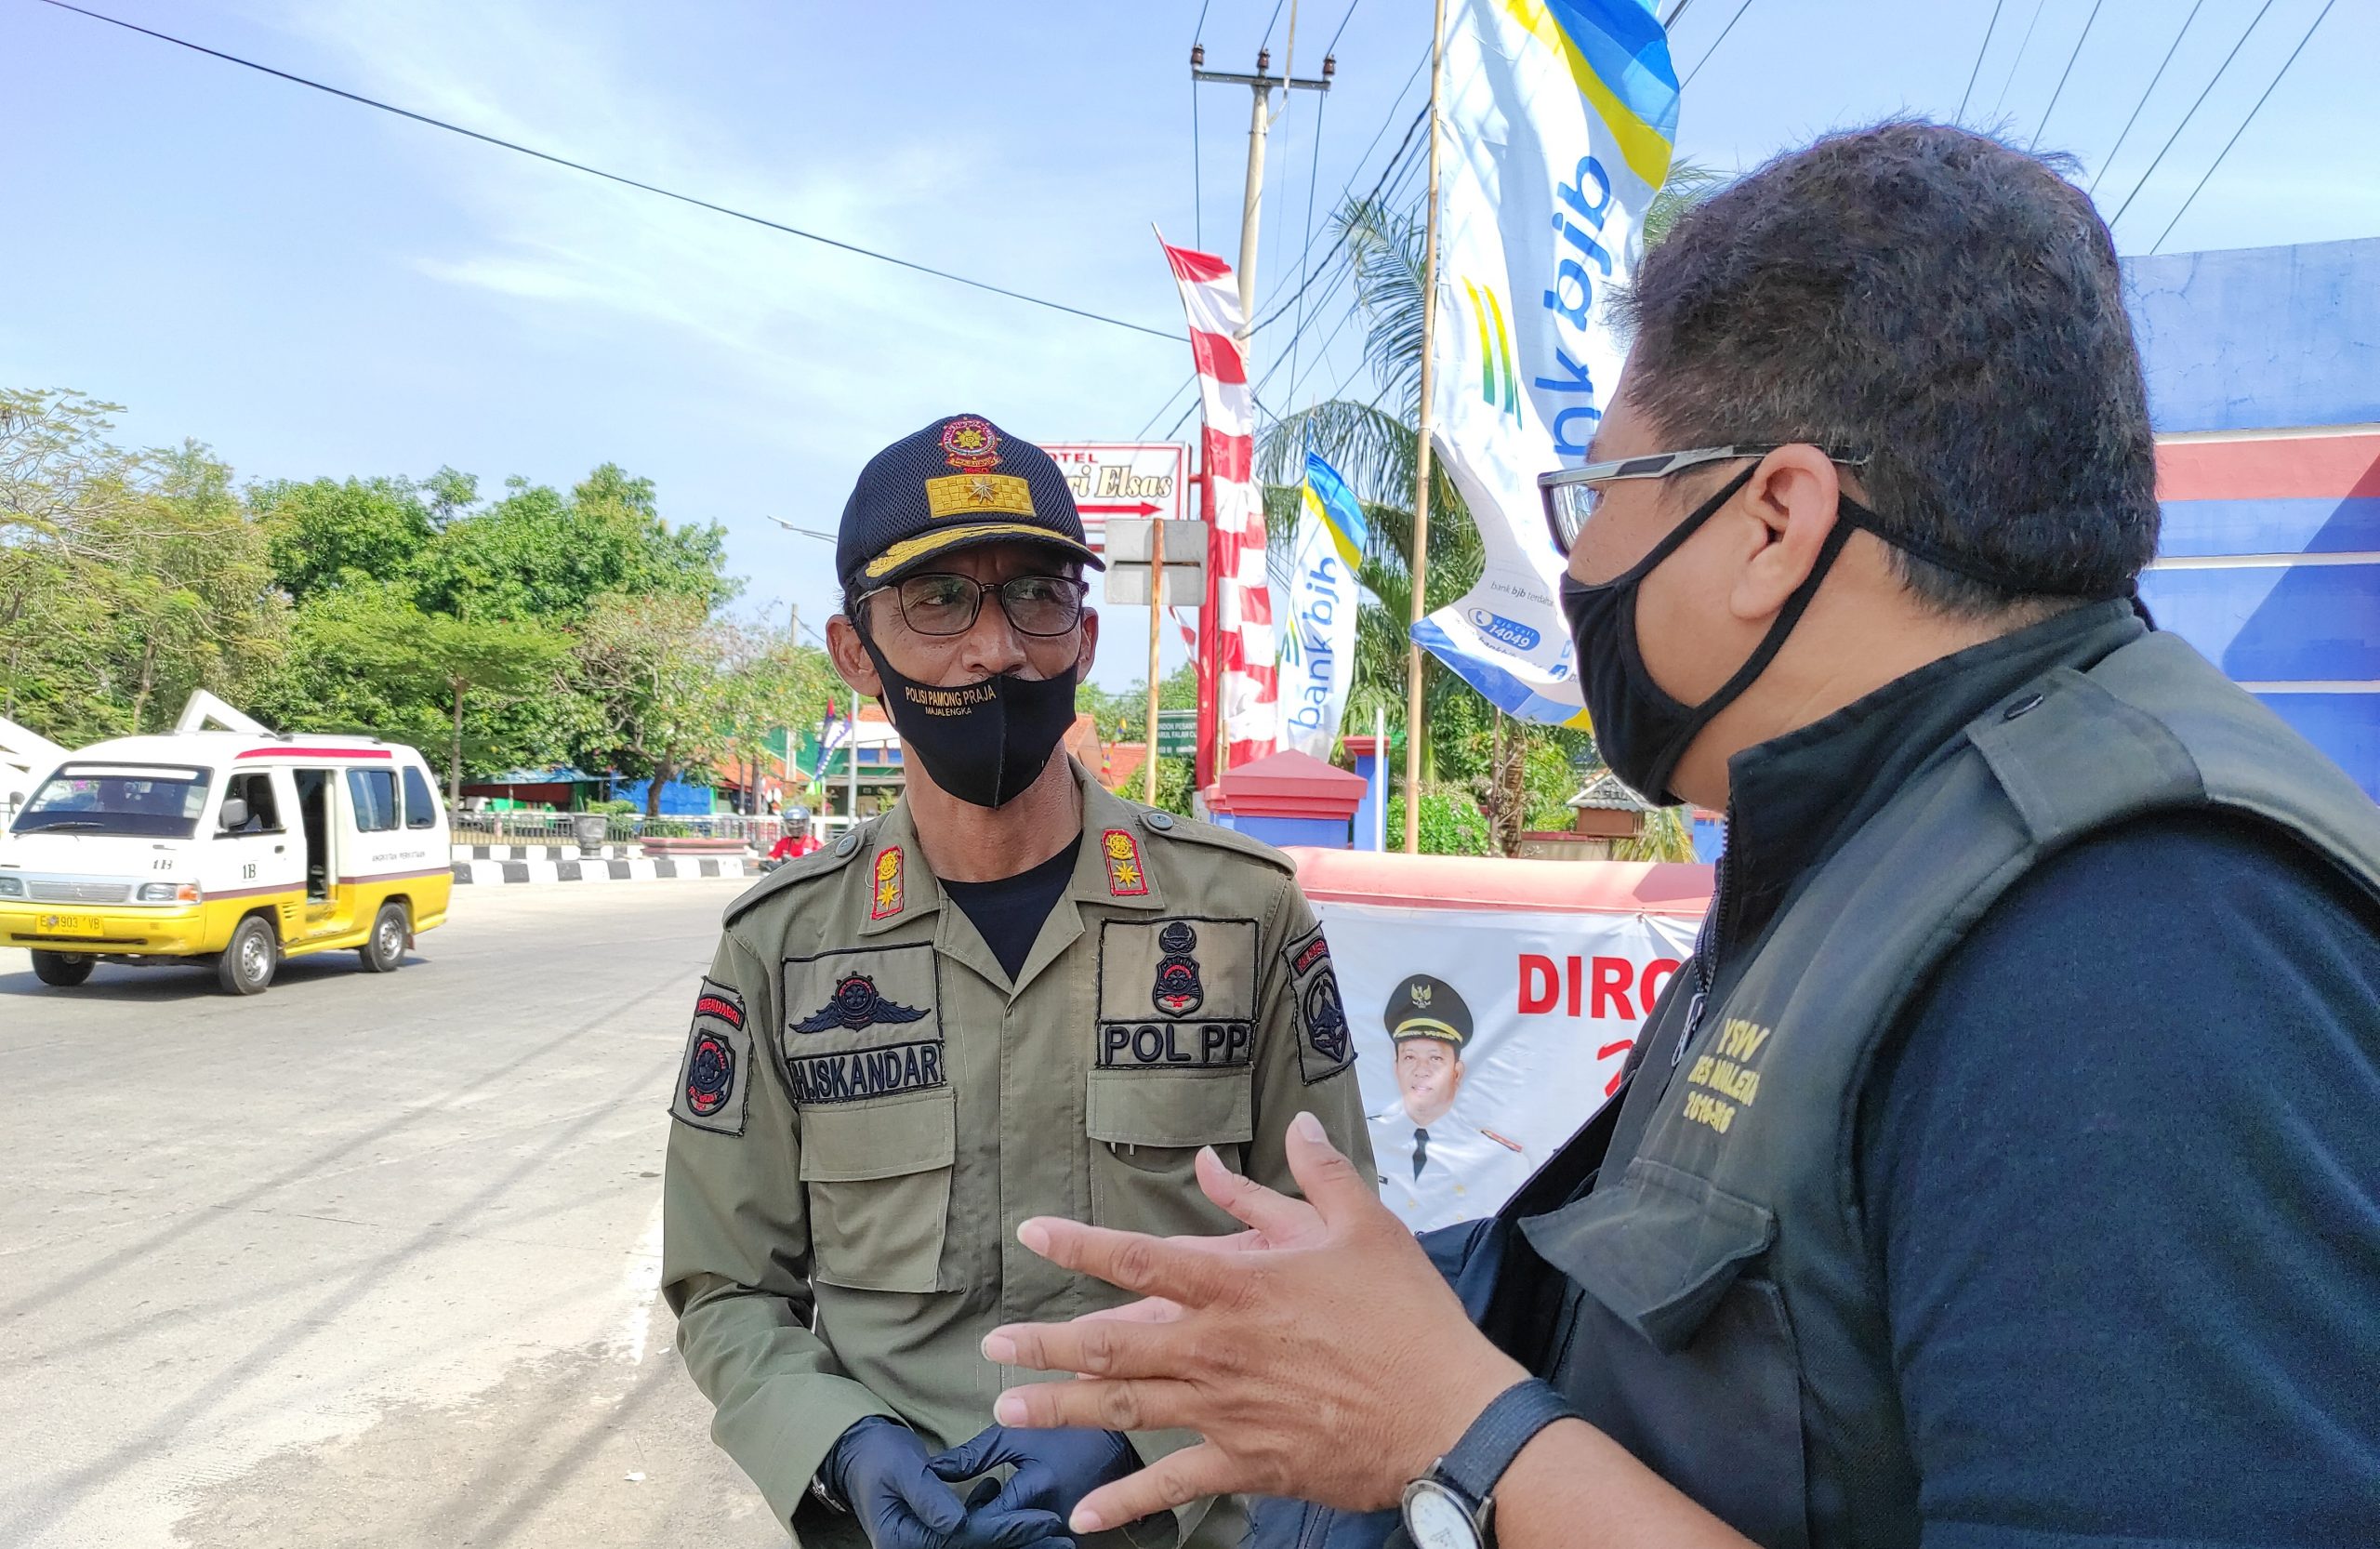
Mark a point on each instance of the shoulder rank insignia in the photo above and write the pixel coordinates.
(1505, 1140)
(856, 1004)
(1178, 991)
(1125, 878)
(710, 1091)
(888, 884)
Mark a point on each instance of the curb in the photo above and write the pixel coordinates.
(540, 853)
(639, 870)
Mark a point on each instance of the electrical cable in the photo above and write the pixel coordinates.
(2015, 63)
(1275, 315)
(2244, 124)
(2144, 97)
(1714, 45)
(1313, 176)
(2069, 70)
(730, 211)
(1378, 136)
(2188, 116)
(1990, 27)
(1332, 47)
(1269, 27)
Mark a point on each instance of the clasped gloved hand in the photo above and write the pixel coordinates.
(879, 1470)
(1054, 1469)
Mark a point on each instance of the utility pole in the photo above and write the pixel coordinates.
(1414, 728)
(1260, 87)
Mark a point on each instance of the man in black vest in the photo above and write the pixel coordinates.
(2001, 1173)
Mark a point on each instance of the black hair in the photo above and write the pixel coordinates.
(1946, 304)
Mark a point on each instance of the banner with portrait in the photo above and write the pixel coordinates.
(1486, 1039)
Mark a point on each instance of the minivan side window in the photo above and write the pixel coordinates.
(374, 793)
(255, 789)
(421, 808)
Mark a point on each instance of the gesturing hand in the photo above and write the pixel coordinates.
(1319, 1354)
(878, 1467)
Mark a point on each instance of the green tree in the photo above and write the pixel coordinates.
(651, 663)
(326, 533)
(769, 684)
(416, 656)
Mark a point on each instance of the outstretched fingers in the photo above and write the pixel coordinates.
(1134, 1261)
(1276, 1219)
(1173, 1481)
(1142, 1404)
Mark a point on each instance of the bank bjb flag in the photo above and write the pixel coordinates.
(1318, 640)
(1559, 118)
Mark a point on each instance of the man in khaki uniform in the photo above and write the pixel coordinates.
(1014, 995)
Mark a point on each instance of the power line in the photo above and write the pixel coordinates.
(2015, 63)
(616, 178)
(2144, 97)
(2070, 67)
(1990, 27)
(1378, 135)
(1313, 176)
(2188, 116)
(1268, 28)
(1332, 47)
(1275, 314)
(1714, 45)
(2244, 124)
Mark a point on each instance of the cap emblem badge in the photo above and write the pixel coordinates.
(970, 445)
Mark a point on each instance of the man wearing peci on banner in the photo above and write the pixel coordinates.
(1436, 1169)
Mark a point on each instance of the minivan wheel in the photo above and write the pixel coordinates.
(386, 949)
(248, 961)
(63, 969)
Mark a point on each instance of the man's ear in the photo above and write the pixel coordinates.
(1090, 645)
(851, 659)
(1794, 495)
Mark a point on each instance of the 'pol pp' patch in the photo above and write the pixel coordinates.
(713, 1078)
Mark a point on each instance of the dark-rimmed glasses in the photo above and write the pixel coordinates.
(1572, 495)
(939, 604)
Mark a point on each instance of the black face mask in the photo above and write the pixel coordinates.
(1641, 730)
(982, 742)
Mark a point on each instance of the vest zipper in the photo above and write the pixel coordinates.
(1706, 950)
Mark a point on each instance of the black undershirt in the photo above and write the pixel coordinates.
(1008, 912)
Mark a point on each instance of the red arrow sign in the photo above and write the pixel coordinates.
(1146, 507)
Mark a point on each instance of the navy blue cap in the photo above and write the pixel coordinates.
(957, 483)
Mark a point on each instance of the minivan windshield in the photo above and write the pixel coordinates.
(144, 800)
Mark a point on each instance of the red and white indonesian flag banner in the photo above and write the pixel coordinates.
(1247, 682)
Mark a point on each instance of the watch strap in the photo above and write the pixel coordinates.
(1473, 1465)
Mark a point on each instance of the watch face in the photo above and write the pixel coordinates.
(1435, 1519)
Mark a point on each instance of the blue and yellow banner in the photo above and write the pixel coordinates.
(1560, 116)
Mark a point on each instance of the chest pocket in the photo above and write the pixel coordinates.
(877, 1177)
(1681, 1349)
(1146, 1128)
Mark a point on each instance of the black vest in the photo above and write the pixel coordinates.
(1725, 1321)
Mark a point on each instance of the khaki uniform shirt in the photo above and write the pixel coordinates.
(867, 1108)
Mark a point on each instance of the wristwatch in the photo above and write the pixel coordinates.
(1450, 1506)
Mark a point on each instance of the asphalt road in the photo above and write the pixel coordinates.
(362, 1260)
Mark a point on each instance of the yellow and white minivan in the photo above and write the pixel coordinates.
(226, 847)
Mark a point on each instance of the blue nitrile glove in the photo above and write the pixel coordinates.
(879, 1470)
(1054, 1469)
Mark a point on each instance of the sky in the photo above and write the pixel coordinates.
(312, 287)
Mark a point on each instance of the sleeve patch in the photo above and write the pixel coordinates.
(714, 1077)
(1326, 1044)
